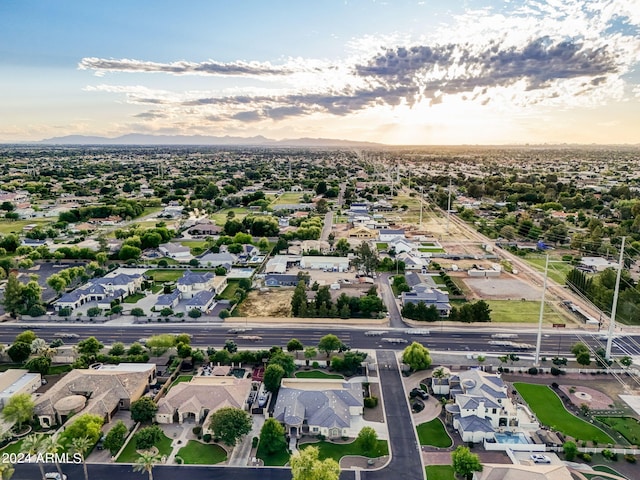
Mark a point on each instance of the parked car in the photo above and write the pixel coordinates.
(417, 406)
(539, 458)
(54, 476)
(418, 392)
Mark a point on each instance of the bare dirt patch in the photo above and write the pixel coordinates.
(275, 303)
(507, 288)
(594, 398)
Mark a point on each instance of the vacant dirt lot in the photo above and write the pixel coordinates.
(275, 303)
(504, 288)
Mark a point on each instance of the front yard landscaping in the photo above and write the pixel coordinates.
(180, 379)
(130, 455)
(551, 412)
(318, 374)
(278, 459)
(133, 298)
(434, 434)
(339, 450)
(162, 275)
(198, 453)
(522, 312)
(440, 472)
(628, 427)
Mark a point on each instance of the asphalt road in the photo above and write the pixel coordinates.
(464, 339)
(406, 461)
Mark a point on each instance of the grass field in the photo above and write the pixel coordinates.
(557, 268)
(16, 226)
(551, 412)
(318, 374)
(196, 246)
(150, 210)
(129, 454)
(517, 311)
(605, 469)
(440, 472)
(339, 450)
(230, 291)
(288, 197)
(197, 453)
(133, 298)
(628, 427)
(220, 218)
(181, 379)
(13, 448)
(162, 275)
(433, 434)
(277, 459)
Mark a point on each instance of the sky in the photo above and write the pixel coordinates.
(395, 72)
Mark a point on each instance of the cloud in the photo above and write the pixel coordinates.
(238, 68)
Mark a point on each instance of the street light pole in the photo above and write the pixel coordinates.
(612, 321)
(536, 362)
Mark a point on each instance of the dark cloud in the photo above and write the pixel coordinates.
(151, 114)
(247, 116)
(182, 67)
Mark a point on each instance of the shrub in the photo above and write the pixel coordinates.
(206, 437)
(371, 402)
(556, 371)
(533, 371)
(254, 442)
(36, 310)
(630, 458)
(197, 430)
(585, 456)
(554, 385)
(315, 365)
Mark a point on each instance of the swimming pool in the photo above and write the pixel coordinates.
(509, 437)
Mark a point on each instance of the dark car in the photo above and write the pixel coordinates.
(417, 406)
(418, 392)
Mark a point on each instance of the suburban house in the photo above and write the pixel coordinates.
(175, 251)
(15, 381)
(362, 232)
(413, 262)
(114, 286)
(401, 245)
(101, 391)
(429, 296)
(192, 282)
(283, 280)
(222, 259)
(596, 264)
(196, 400)
(168, 300)
(482, 408)
(389, 235)
(319, 407)
(280, 263)
(335, 264)
(501, 471)
(203, 300)
(205, 228)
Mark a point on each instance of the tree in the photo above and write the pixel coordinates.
(52, 445)
(32, 444)
(117, 349)
(87, 424)
(309, 353)
(57, 282)
(229, 424)
(416, 356)
(273, 375)
(583, 358)
(299, 298)
(40, 365)
(329, 343)
(147, 437)
(19, 352)
(145, 463)
(366, 258)
(294, 345)
(136, 348)
(158, 344)
(28, 336)
(143, 409)
(80, 446)
(129, 252)
(626, 361)
(115, 437)
(12, 300)
(272, 436)
(137, 312)
(342, 246)
(195, 313)
(6, 471)
(89, 346)
(183, 350)
(367, 439)
(285, 361)
(18, 409)
(570, 450)
(305, 465)
(465, 462)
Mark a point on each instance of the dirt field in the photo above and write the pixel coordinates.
(277, 303)
(503, 288)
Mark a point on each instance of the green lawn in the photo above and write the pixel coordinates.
(197, 453)
(220, 218)
(288, 197)
(433, 434)
(156, 288)
(181, 379)
(164, 275)
(318, 374)
(58, 369)
(129, 454)
(196, 246)
(628, 427)
(134, 298)
(557, 268)
(339, 450)
(230, 291)
(12, 448)
(439, 472)
(551, 412)
(16, 226)
(517, 311)
(277, 459)
(150, 210)
(382, 246)
(605, 469)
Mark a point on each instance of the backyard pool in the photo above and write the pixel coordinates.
(238, 372)
(509, 437)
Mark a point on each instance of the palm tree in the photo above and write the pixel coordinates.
(32, 444)
(6, 471)
(81, 445)
(51, 445)
(146, 462)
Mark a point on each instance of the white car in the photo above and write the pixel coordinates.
(539, 458)
(54, 476)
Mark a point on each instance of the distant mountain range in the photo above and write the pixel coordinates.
(142, 139)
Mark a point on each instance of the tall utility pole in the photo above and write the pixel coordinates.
(421, 187)
(612, 321)
(449, 206)
(536, 362)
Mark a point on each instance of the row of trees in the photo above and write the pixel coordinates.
(469, 312)
(345, 306)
